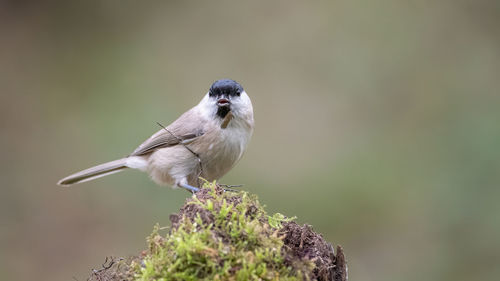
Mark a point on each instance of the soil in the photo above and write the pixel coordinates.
(301, 242)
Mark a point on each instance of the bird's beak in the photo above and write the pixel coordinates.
(223, 102)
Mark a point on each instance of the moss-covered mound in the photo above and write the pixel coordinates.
(220, 235)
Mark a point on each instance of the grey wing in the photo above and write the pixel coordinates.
(162, 139)
(182, 131)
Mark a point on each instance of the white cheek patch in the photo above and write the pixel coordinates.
(207, 107)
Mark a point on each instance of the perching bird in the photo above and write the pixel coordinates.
(206, 141)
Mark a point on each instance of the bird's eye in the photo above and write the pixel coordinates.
(238, 93)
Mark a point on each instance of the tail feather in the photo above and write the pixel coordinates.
(95, 172)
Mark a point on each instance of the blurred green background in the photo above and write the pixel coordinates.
(378, 122)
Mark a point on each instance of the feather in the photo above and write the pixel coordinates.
(183, 130)
(95, 172)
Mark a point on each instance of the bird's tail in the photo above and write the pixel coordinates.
(95, 172)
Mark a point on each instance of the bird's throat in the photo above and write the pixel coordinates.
(223, 111)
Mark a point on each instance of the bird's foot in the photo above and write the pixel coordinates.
(189, 188)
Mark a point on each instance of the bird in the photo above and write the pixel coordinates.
(204, 142)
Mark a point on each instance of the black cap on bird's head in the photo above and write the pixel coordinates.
(225, 87)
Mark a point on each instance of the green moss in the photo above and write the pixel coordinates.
(219, 236)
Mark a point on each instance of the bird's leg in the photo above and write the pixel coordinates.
(201, 168)
(189, 188)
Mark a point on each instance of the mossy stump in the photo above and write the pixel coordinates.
(220, 235)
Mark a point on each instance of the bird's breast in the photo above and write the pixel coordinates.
(219, 149)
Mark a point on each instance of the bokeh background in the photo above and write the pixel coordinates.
(377, 122)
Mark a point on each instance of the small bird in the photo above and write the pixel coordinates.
(206, 141)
